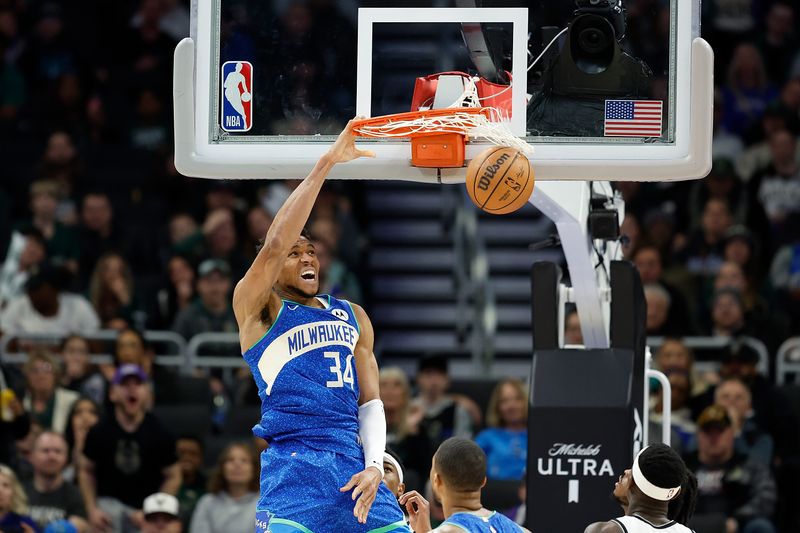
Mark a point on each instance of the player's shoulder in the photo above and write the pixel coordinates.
(604, 527)
(360, 314)
(506, 522)
(448, 528)
(357, 309)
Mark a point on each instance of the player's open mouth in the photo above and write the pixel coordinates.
(308, 275)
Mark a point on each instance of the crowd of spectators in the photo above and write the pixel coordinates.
(719, 257)
(737, 432)
(99, 231)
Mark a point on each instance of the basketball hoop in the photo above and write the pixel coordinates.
(439, 136)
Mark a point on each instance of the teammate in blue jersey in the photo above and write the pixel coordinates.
(311, 358)
(458, 473)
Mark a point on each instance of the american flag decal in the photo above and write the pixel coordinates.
(633, 118)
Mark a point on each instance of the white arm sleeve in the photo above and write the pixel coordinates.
(372, 431)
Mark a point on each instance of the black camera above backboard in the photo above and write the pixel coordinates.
(612, 10)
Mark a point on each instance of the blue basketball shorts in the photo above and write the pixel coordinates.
(300, 494)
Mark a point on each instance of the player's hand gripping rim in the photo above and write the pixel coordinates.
(344, 148)
(365, 487)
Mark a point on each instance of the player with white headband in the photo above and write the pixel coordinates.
(658, 494)
(393, 473)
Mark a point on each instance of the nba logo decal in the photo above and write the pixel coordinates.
(237, 96)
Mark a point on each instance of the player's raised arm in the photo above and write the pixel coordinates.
(254, 290)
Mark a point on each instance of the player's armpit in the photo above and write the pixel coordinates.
(253, 292)
(248, 314)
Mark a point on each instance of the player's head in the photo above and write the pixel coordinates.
(300, 274)
(658, 474)
(458, 467)
(393, 473)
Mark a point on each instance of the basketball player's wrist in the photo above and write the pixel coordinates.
(379, 468)
(372, 431)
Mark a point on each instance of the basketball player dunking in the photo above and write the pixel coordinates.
(657, 494)
(311, 358)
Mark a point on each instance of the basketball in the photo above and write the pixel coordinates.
(245, 97)
(500, 180)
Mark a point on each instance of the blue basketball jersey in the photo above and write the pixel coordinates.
(305, 370)
(494, 523)
(304, 367)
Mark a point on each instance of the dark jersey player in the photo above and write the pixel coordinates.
(311, 358)
(657, 494)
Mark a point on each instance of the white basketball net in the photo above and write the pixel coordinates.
(473, 125)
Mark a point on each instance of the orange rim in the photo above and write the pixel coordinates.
(412, 131)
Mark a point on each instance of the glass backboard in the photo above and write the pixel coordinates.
(603, 89)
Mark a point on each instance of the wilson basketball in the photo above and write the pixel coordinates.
(500, 180)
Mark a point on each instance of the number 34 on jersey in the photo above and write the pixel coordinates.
(343, 373)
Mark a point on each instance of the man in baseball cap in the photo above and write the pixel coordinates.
(161, 514)
(730, 483)
(212, 310)
(126, 371)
